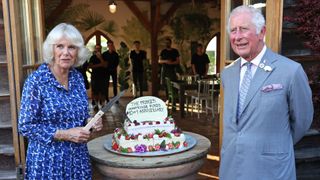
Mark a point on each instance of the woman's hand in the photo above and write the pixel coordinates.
(76, 135)
(97, 126)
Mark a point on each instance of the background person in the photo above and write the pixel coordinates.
(169, 59)
(267, 105)
(137, 57)
(112, 59)
(98, 77)
(54, 109)
(200, 62)
(83, 70)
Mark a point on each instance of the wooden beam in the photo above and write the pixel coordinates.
(218, 59)
(136, 11)
(154, 26)
(14, 58)
(224, 55)
(155, 15)
(274, 13)
(169, 14)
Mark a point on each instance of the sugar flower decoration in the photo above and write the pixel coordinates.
(267, 68)
(140, 149)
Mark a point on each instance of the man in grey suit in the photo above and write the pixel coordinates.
(267, 105)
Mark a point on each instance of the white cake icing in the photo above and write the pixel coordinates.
(151, 129)
(166, 125)
(153, 141)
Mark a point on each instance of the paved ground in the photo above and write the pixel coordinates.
(204, 126)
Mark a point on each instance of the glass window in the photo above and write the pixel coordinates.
(212, 53)
(259, 4)
(291, 43)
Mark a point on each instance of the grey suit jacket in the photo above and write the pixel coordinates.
(278, 112)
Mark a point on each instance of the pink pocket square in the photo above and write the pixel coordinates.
(271, 87)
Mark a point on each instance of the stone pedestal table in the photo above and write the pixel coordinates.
(183, 165)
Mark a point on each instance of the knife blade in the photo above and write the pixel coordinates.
(103, 110)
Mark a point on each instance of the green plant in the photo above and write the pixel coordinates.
(147, 74)
(191, 24)
(133, 30)
(85, 19)
(124, 73)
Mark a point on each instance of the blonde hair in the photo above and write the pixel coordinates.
(69, 32)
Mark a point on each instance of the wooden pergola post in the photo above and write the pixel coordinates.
(155, 15)
(154, 25)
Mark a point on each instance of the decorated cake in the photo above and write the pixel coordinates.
(147, 128)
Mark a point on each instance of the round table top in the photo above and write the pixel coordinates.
(99, 154)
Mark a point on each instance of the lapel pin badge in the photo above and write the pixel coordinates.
(261, 65)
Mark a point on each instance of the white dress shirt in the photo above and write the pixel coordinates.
(255, 64)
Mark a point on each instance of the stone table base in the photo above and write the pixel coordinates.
(184, 165)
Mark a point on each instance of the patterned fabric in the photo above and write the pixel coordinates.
(244, 88)
(46, 107)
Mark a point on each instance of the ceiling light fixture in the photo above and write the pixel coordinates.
(112, 6)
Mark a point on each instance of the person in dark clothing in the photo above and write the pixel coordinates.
(169, 59)
(112, 58)
(137, 57)
(83, 70)
(200, 62)
(98, 77)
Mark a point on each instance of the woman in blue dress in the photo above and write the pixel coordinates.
(54, 109)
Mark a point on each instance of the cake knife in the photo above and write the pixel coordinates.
(103, 110)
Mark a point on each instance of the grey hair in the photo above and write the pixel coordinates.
(256, 16)
(69, 32)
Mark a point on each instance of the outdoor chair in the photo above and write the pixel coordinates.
(172, 95)
(189, 93)
(204, 96)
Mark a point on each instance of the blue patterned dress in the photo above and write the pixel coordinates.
(46, 107)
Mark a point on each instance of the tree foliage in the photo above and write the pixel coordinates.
(191, 24)
(124, 73)
(133, 30)
(307, 22)
(85, 19)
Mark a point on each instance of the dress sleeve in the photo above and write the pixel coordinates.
(30, 122)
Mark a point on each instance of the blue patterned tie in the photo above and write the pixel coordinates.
(244, 88)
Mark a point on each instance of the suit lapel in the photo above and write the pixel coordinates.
(235, 77)
(259, 77)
